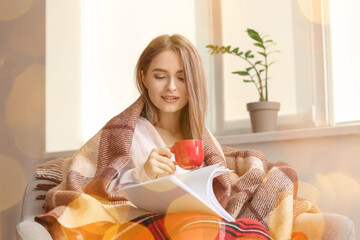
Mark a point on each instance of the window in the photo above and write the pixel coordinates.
(343, 59)
(307, 80)
(91, 55)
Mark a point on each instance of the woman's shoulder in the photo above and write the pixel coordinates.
(146, 132)
(142, 121)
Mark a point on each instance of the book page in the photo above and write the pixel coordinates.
(201, 182)
(197, 180)
(188, 192)
(167, 195)
(212, 198)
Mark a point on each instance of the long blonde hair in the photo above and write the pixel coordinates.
(193, 114)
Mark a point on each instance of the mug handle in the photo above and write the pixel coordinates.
(173, 151)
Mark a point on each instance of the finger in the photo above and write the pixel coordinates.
(158, 172)
(150, 169)
(166, 161)
(163, 151)
(164, 168)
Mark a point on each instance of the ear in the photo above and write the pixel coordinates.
(143, 78)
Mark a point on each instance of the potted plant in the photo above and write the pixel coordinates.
(263, 113)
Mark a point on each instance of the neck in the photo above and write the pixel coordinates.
(170, 122)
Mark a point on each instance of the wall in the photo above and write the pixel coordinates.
(327, 167)
(22, 103)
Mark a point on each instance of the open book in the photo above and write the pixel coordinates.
(188, 192)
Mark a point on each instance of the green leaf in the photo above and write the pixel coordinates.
(219, 50)
(251, 56)
(247, 80)
(211, 48)
(235, 50)
(254, 35)
(249, 68)
(270, 44)
(258, 62)
(214, 50)
(271, 63)
(227, 49)
(247, 53)
(276, 51)
(240, 53)
(241, 73)
(264, 54)
(259, 45)
(267, 41)
(261, 70)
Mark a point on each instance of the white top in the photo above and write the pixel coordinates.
(145, 139)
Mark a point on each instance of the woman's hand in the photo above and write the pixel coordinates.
(159, 163)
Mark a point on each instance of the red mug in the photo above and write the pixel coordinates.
(189, 154)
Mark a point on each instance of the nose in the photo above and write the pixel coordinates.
(171, 84)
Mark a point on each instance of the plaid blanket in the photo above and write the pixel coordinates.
(172, 226)
(257, 189)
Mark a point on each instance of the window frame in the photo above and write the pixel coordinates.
(318, 115)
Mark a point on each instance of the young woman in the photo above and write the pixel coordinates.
(171, 81)
(134, 146)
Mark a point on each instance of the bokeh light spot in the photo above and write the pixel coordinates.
(25, 111)
(128, 230)
(12, 63)
(192, 225)
(312, 225)
(32, 41)
(308, 191)
(11, 174)
(338, 189)
(84, 210)
(312, 10)
(13, 9)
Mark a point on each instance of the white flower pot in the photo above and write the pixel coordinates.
(263, 116)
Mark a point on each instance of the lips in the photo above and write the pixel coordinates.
(170, 99)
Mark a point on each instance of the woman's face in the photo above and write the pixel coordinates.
(165, 82)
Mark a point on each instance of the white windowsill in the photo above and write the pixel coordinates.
(289, 134)
(62, 154)
(282, 135)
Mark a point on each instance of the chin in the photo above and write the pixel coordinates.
(171, 109)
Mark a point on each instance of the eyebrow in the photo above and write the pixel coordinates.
(163, 70)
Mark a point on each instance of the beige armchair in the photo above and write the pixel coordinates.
(28, 229)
